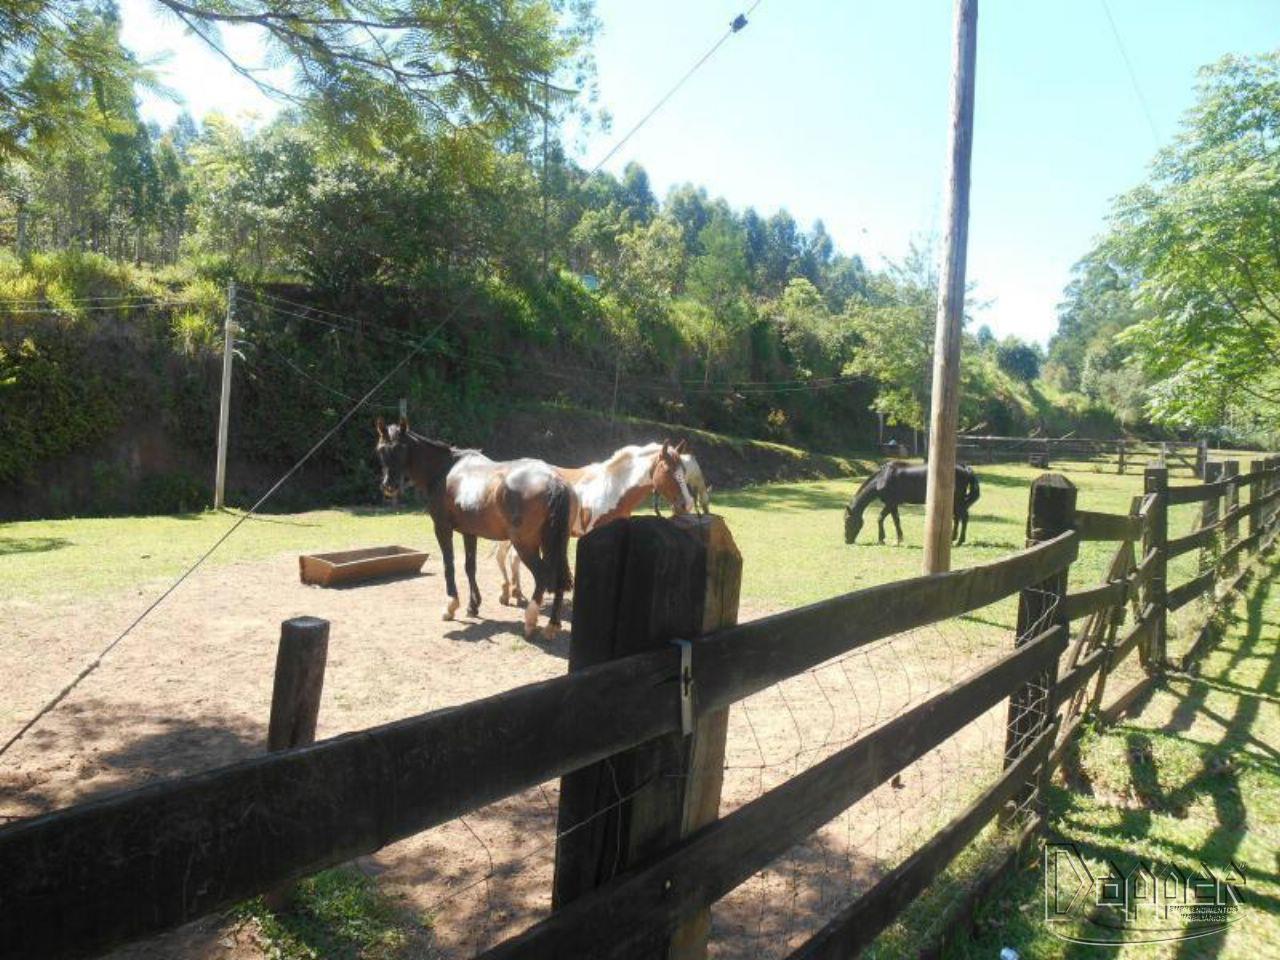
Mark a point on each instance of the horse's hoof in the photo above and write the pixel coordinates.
(505, 597)
(530, 620)
(450, 609)
(473, 610)
(550, 631)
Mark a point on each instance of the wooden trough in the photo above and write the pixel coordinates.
(352, 566)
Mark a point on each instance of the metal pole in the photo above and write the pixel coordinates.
(224, 406)
(945, 407)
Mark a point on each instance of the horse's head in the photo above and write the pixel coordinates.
(669, 478)
(852, 524)
(393, 454)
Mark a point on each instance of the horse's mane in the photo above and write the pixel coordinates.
(438, 444)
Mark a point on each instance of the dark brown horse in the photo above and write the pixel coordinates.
(896, 483)
(524, 501)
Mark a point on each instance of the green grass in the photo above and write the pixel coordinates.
(340, 915)
(791, 539)
(1193, 778)
(791, 536)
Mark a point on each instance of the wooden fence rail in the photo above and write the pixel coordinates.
(1124, 453)
(80, 880)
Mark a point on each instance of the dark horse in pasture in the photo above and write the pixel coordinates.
(524, 501)
(896, 483)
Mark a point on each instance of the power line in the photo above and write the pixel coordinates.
(505, 361)
(1133, 76)
(96, 308)
(738, 23)
(94, 664)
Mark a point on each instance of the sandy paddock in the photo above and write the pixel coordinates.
(190, 689)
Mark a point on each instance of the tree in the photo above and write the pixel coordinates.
(1020, 360)
(1098, 305)
(894, 326)
(1203, 237)
(807, 330)
(717, 285)
(375, 69)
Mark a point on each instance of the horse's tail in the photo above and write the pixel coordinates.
(971, 495)
(555, 535)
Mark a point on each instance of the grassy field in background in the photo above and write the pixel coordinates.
(791, 536)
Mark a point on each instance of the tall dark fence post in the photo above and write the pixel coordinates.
(642, 583)
(1210, 513)
(1156, 537)
(1120, 468)
(1051, 511)
(1202, 459)
(1255, 494)
(1231, 503)
(295, 697)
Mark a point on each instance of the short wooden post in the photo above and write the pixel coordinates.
(1231, 503)
(1156, 537)
(295, 698)
(1202, 459)
(643, 583)
(1120, 468)
(1051, 511)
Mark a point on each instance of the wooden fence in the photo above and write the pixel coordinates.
(1126, 455)
(657, 659)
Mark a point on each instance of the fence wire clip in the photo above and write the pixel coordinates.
(686, 685)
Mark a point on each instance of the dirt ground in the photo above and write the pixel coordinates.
(190, 689)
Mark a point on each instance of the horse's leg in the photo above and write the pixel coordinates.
(883, 513)
(504, 549)
(444, 537)
(897, 523)
(963, 517)
(469, 546)
(518, 591)
(533, 560)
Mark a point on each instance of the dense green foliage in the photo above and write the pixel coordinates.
(553, 282)
(1176, 314)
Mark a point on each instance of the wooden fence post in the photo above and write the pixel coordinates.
(1051, 510)
(1156, 537)
(1120, 468)
(1202, 459)
(642, 583)
(1255, 494)
(1210, 513)
(295, 698)
(1231, 503)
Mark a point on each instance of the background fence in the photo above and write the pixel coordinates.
(647, 805)
(1124, 455)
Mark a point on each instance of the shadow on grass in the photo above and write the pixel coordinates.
(1118, 813)
(14, 545)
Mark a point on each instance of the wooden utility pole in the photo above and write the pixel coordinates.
(945, 408)
(224, 405)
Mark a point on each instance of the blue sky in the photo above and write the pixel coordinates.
(838, 110)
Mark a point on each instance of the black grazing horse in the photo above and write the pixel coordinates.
(897, 482)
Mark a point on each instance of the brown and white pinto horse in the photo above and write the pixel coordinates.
(613, 488)
(525, 502)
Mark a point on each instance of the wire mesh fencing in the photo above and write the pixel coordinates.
(485, 877)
